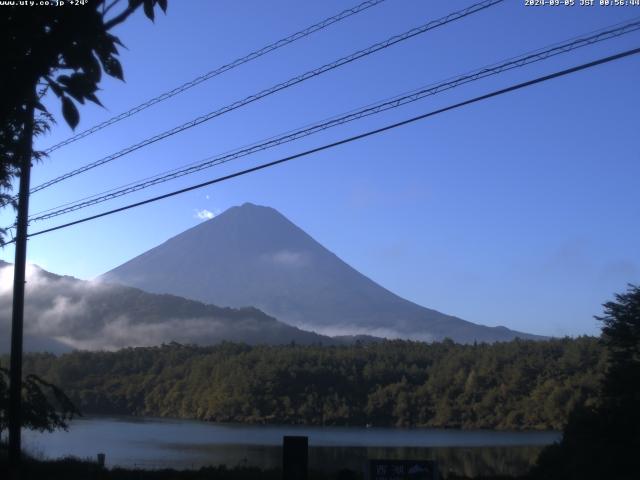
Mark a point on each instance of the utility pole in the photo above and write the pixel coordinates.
(17, 319)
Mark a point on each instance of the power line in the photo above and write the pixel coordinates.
(276, 88)
(595, 36)
(515, 62)
(495, 93)
(220, 70)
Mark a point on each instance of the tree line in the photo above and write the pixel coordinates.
(509, 385)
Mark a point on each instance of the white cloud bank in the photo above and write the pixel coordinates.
(101, 316)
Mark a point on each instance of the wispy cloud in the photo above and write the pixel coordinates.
(288, 258)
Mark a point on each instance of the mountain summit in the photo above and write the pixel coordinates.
(254, 256)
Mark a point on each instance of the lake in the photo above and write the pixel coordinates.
(158, 443)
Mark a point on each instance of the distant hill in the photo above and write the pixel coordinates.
(254, 256)
(63, 313)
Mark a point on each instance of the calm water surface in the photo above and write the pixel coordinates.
(157, 443)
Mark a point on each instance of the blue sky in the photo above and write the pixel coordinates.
(522, 211)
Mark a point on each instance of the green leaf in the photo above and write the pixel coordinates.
(70, 112)
(64, 80)
(55, 87)
(94, 99)
(115, 40)
(148, 9)
(92, 68)
(78, 85)
(113, 68)
(105, 47)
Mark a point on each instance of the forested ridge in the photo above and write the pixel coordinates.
(510, 385)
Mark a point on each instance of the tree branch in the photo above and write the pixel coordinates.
(109, 7)
(118, 19)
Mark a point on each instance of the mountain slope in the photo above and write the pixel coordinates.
(253, 255)
(63, 313)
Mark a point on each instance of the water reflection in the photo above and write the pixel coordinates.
(160, 443)
(471, 461)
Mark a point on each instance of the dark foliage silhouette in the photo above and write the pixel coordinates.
(45, 406)
(57, 49)
(603, 440)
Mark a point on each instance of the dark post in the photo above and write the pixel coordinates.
(15, 386)
(295, 458)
